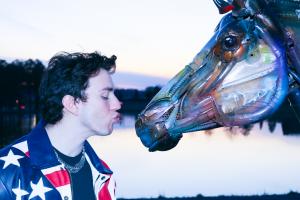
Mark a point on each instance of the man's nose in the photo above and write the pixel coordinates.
(116, 104)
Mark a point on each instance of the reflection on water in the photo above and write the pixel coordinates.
(217, 164)
(14, 125)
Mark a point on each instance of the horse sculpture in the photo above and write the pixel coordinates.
(241, 76)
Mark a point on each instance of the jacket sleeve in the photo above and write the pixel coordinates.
(4, 193)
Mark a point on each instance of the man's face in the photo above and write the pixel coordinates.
(99, 112)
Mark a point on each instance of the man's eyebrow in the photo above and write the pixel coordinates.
(108, 89)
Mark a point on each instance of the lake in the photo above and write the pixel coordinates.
(209, 164)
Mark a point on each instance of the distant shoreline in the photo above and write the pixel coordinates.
(288, 196)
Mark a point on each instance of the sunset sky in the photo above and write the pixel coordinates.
(156, 37)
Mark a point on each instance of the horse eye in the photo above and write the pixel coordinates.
(230, 43)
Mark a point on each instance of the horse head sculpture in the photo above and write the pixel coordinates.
(241, 76)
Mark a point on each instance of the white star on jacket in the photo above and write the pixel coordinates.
(19, 192)
(11, 159)
(39, 190)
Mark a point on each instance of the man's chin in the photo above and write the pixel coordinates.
(102, 132)
(106, 133)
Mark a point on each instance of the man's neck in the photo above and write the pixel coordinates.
(66, 137)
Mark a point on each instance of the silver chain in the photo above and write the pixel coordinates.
(78, 166)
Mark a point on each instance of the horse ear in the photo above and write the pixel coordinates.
(224, 6)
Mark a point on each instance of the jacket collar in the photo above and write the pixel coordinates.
(42, 154)
(96, 161)
(40, 149)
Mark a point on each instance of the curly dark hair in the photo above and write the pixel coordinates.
(68, 74)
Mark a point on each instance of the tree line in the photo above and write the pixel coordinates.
(19, 103)
(19, 83)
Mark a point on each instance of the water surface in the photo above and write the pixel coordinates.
(216, 164)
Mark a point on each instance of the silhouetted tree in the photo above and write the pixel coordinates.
(19, 82)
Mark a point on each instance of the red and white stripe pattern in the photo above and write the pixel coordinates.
(59, 177)
(107, 192)
(104, 184)
(109, 187)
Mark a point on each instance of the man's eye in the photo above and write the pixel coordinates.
(104, 97)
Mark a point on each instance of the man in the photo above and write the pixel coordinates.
(55, 161)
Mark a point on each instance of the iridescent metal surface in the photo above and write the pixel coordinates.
(241, 76)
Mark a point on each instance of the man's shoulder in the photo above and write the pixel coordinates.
(14, 155)
(20, 144)
(15, 168)
(13, 159)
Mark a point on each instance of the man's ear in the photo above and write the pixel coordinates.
(70, 104)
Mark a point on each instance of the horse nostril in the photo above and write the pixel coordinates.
(139, 122)
(228, 56)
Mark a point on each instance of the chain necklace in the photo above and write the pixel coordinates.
(75, 168)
